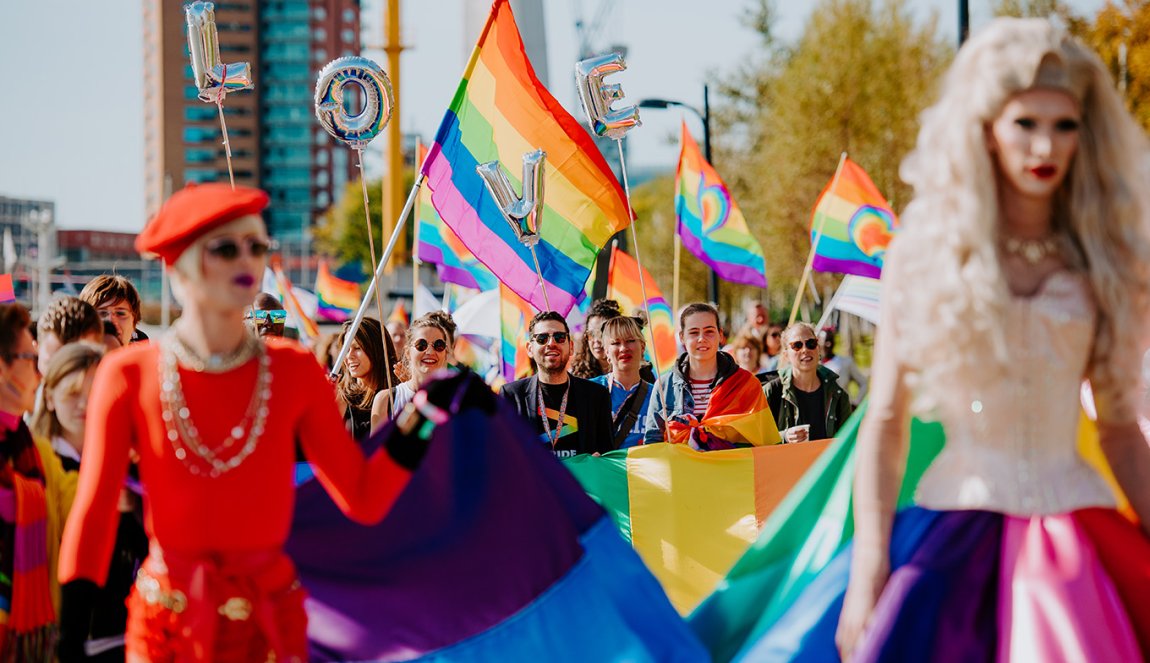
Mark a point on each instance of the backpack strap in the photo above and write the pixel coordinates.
(629, 413)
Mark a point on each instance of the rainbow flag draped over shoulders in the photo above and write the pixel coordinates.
(691, 514)
(710, 223)
(623, 286)
(500, 112)
(338, 299)
(514, 315)
(440, 246)
(857, 224)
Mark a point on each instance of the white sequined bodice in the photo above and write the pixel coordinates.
(1011, 444)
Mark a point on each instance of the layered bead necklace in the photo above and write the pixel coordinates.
(187, 445)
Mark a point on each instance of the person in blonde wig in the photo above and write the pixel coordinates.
(1021, 270)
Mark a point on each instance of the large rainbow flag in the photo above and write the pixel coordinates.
(710, 223)
(440, 246)
(500, 112)
(338, 299)
(856, 223)
(514, 315)
(623, 286)
(492, 553)
(692, 514)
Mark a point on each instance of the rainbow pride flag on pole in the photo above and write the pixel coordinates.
(514, 315)
(500, 112)
(710, 223)
(338, 299)
(623, 286)
(440, 246)
(856, 224)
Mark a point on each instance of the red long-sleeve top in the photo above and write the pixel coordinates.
(248, 508)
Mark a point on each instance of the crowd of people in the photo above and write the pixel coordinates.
(145, 485)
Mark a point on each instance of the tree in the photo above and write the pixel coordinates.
(1121, 37)
(342, 232)
(855, 81)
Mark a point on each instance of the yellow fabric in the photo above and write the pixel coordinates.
(59, 490)
(693, 513)
(1091, 451)
(757, 428)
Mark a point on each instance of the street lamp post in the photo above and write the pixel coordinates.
(40, 221)
(704, 117)
(963, 21)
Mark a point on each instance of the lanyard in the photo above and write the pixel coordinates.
(611, 388)
(553, 439)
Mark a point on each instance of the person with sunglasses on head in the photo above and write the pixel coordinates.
(695, 403)
(428, 345)
(267, 316)
(116, 300)
(571, 415)
(214, 415)
(806, 399)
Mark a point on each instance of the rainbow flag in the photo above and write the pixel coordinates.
(710, 223)
(440, 246)
(857, 224)
(338, 299)
(514, 315)
(623, 286)
(691, 536)
(307, 327)
(7, 289)
(500, 112)
(399, 314)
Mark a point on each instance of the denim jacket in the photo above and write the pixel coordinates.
(675, 389)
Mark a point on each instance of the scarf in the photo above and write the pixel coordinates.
(737, 414)
(28, 631)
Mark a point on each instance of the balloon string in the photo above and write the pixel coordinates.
(642, 282)
(378, 295)
(542, 283)
(224, 130)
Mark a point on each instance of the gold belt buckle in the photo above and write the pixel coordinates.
(153, 594)
(236, 609)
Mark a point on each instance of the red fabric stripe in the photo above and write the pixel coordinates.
(1124, 551)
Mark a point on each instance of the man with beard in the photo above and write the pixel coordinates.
(570, 415)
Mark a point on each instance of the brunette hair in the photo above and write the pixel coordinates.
(373, 338)
(430, 321)
(108, 288)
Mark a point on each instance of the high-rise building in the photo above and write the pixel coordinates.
(276, 142)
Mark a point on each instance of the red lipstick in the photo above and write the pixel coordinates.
(1044, 172)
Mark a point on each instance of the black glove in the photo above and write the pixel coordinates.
(77, 600)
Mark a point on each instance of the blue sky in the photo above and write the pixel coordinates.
(71, 124)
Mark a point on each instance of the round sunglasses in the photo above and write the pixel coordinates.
(439, 345)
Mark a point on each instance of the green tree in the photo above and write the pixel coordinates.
(855, 81)
(342, 231)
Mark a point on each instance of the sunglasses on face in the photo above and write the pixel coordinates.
(274, 316)
(439, 345)
(229, 249)
(810, 343)
(544, 337)
(776, 334)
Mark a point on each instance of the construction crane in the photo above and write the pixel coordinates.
(589, 34)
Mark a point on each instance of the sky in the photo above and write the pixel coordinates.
(71, 120)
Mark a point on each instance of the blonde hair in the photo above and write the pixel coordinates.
(72, 359)
(952, 285)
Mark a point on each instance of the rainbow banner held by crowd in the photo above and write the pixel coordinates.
(710, 223)
(856, 225)
(499, 113)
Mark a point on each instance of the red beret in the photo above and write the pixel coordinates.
(193, 211)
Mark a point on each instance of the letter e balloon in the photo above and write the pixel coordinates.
(597, 96)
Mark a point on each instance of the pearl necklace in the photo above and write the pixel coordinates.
(187, 445)
(1032, 251)
(214, 363)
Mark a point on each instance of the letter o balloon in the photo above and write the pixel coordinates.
(355, 130)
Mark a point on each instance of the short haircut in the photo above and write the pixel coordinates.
(544, 316)
(14, 319)
(70, 319)
(797, 327)
(697, 307)
(108, 288)
(623, 327)
(265, 301)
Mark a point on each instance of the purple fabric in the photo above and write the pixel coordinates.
(941, 605)
(488, 522)
(825, 264)
(732, 272)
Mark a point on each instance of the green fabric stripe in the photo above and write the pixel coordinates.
(605, 480)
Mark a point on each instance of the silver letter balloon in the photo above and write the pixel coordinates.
(597, 96)
(359, 129)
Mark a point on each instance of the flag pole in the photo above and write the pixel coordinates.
(376, 278)
(415, 261)
(675, 283)
(815, 245)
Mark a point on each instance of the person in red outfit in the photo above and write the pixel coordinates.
(213, 415)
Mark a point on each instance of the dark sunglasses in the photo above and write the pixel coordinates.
(229, 249)
(775, 334)
(811, 344)
(544, 337)
(275, 316)
(440, 345)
